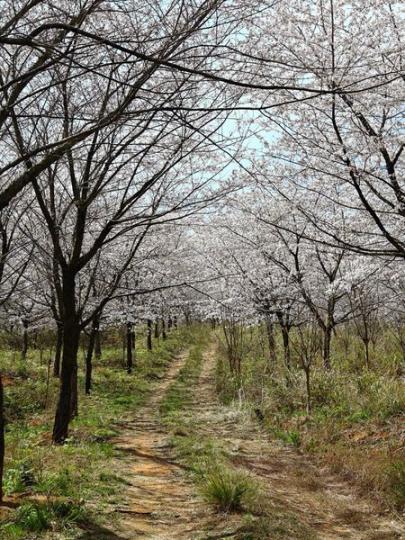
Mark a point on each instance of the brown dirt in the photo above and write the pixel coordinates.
(163, 504)
(161, 501)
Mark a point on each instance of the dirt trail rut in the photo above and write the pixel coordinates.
(163, 504)
(322, 502)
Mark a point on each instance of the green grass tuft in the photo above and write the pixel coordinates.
(228, 490)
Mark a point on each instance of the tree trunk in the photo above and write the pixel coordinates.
(133, 338)
(149, 335)
(271, 341)
(58, 350)
(89, 357)
(2, 447)
(74, 399)
(285, 331)
(24, 348)
(164, 335)
(327, 336)
(97, 341)
(367, 352)
(308, 387)
(129, 343)
(157, 330)
(71, 337)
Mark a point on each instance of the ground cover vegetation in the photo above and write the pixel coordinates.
(232, 167)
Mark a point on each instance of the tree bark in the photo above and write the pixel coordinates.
(89, 357)
(129, 342)
(367, 352)
(58, 350)
(271, 341)
(74, 399)
(71, 337)
(164, 335)
(97, 342)
(149, 335)
(327, 336)
(285, 332)
(308, 387)
(133, 338)
(24, 348)
(157, 333)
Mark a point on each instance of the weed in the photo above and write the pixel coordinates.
(395, 478)
(355, 410)
(227, 489)
(289, 437)
(32, 464)
(33, 517)
(68, 512)
(19, 478)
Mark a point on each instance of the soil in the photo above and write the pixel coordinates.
(162, 502)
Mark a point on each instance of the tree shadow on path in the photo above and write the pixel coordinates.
(96, 532)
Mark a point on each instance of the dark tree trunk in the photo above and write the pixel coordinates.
(271, 341)
(367, 352)
(175, 321)
(157, 330)
(71, 337)
(129, 343)
(58, 350)
(164, 335)
(24, 347)
(133, 338)
(97, 342)
(169, 323)
(149, 335)
(308, 388)
(285, 331)
(74, 400)
(2, 447)
(327, 336)
(124, 345)
(89, 356)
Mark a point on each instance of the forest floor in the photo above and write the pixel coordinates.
(164, 454)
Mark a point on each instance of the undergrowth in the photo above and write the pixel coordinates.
(58, 488)
(227, 488)
(357, 413)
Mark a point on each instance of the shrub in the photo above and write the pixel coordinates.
(395, 478)
(18, 478)
(228, 489)
(67, 511)
(33, 517)
(58, 483)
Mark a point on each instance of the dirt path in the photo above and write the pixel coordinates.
(326, 505)
(163, 504)
(161, 501)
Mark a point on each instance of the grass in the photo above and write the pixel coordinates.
(226, 487)
(56, 488)
(356, 416)
(229, 490)
(180, 394)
